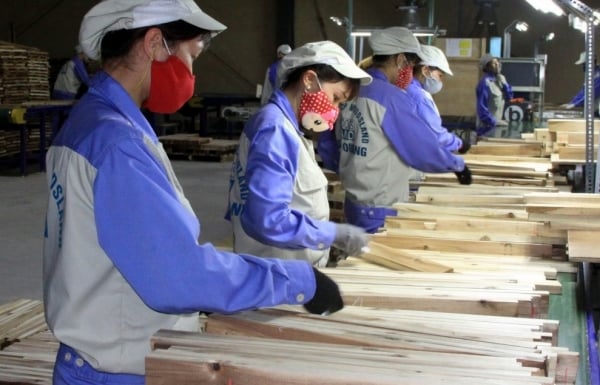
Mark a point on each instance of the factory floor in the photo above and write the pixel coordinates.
(23, 209)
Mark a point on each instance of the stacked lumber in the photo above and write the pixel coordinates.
(527, 342)
(511, 147)
(501, 168)
(29, 361)
(204, 358)
(194, 147)
(9, 142)
(576, 214)
(20, 319)
(24, 74)
(567, 139)
(335, 196)
(485, 294)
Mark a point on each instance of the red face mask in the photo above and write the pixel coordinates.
(171, 85)
(317, 113)
(405, 76)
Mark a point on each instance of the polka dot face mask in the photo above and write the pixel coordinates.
(405, 76)
(317, 113)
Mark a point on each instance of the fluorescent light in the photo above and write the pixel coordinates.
(361, 33)
(522, 26)
(546, 6)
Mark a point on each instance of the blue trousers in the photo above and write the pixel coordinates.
(71, 369)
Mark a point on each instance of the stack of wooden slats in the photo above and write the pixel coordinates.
(364, 346)
(24, 74)
(20, 319)
(194, 147)
(500, 168)
(566, 138)
(576, 214)
(29, 361)
(27, 348)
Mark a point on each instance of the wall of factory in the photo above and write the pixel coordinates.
(237, 59)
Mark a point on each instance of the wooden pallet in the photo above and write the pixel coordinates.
(194, 147)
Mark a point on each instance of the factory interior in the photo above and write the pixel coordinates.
(491, 281)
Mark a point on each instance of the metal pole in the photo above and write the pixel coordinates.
(588, 106)
(506, 50)
(430, 20)
(349, 28)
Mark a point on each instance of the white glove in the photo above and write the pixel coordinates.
(568, 106)
(501, 123)
(351, 239)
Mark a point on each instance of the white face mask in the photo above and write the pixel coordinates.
(432, 85)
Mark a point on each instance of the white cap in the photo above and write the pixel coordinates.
(112, 15)
(485, 59)
(434, 57)
(284, 49)
(581, 59)
(394, 40)
(321, 52)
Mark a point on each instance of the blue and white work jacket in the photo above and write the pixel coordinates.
(379, 136)
(121, 252)
(278, 202)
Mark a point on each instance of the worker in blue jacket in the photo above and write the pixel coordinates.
(427, 81)
(492, 92)
(121, 252)
(270, 83)
(380, 136)
(278, 193)
(579, 98)
(73, 78)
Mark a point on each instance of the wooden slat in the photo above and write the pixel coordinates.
(398, 260)
(203, 358)
(583, 246)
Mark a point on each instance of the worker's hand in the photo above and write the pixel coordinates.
(501, 123)
(327, 298)
(501, 79)
(465, 147)
(464, 176)
(351, 239)
(568, 106)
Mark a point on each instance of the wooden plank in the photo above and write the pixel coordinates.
(569, 125)
(458, 245)
(427, 335)
(537, 229)
(583, 246)
(413, 210)
(397, 260)
(29, 361)
(518, 149)
(484, 236)
(489, 180)
(205, 358)
(469, 199)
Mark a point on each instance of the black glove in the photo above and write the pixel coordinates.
(466, 146)
(327, 298)
(350, 238)
(464, 176)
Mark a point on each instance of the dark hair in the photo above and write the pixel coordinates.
(325, 73)
(417, 68)
(118, 43)
(412, 58)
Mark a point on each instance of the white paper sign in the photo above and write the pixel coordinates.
(459, 47)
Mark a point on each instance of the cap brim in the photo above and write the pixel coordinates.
(353, 72)
(204, 21)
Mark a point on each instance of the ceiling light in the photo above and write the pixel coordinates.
(546, 6)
